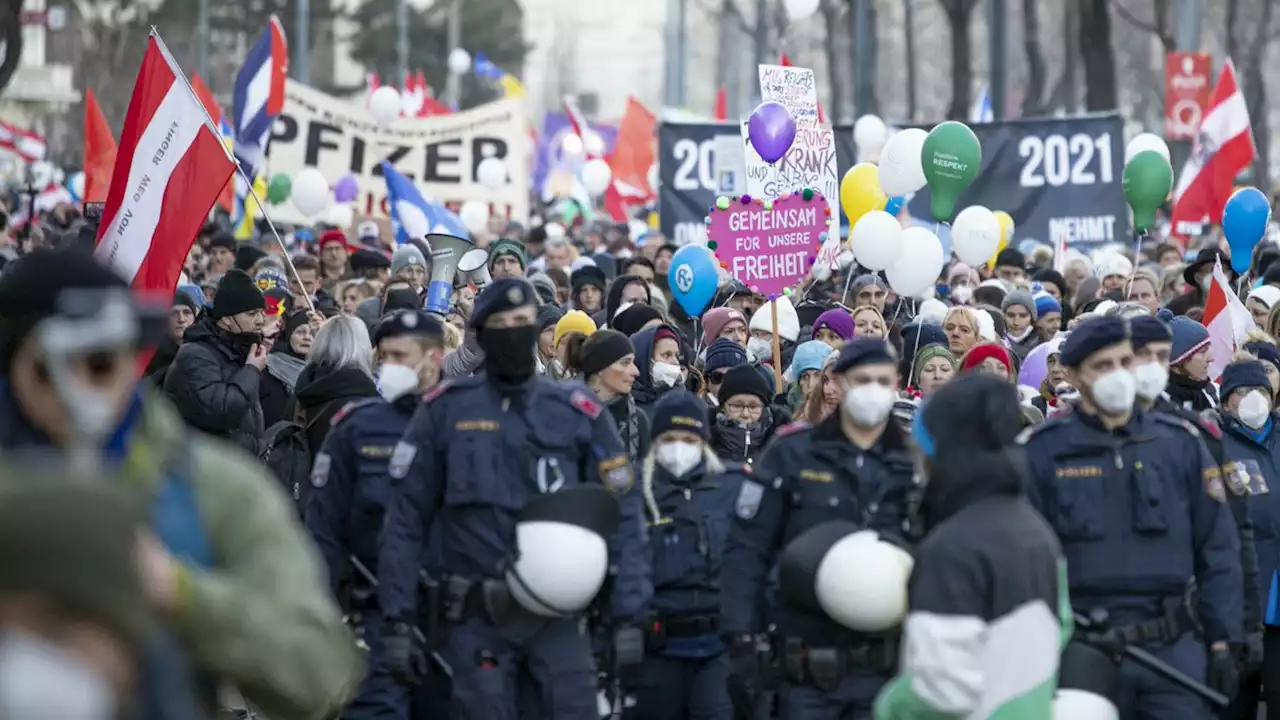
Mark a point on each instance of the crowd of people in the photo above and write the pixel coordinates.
(329, 486)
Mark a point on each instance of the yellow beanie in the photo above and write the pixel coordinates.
(573, 321)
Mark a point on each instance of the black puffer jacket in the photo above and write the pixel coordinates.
(213, 388)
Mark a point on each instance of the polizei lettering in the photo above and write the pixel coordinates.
(164, 145)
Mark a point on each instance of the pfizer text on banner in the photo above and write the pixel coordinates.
(439, 153)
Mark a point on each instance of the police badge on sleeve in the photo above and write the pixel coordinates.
(749, 499)
(401, 458)
(320, 471)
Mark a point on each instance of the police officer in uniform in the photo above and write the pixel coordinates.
(1137, 503)
(351, 489)
(477, 450)
(855, 466)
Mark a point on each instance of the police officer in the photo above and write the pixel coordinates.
(476, 452)
(1152, 346)
(854, 466)
(689, 496)
(1137, 503)
(351, 489)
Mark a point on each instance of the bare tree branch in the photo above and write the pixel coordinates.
(730, 8)
(1159, 28)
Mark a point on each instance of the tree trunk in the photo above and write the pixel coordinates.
(1255, 99)
(959, 12)
(831, 19)
(909, 38)
(1071, 58)
(1032, 103)
(1099, 59)
(873, 60)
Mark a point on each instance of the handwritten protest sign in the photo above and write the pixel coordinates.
(768, 245)
(795, 88)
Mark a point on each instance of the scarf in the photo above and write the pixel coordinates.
(623, 410)
(285, 368)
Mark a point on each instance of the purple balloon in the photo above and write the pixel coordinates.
(346, 189)
(771, 131)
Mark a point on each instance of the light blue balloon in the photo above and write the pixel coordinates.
(1244, 222)
(894, 206)
(692, 278)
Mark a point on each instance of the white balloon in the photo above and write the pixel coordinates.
(875, 240)
(594, 144)
(596, 176)
(901, 169)
(459, 61)
(1143, 142)
(798, 10)
(845, 259)
(554, 230)
(77, 185)
(870, 133)
(652, 177)
(572, 145)
(474, 215)
(310, 193)
(492, 173)
(975, 235)
(341, 215)
(919, 263)
(384, 104)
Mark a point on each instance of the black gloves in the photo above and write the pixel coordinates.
(745, 680)
(1224, 674)
(1251, 651)
(402, 654)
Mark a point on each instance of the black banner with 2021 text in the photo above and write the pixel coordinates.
(1057, 178)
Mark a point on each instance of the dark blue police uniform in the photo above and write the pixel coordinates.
(811, 475)
(476, 450)
(1139, 511)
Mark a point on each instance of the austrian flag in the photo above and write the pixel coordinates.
(170, 168)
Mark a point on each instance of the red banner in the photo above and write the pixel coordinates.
(1188, 80)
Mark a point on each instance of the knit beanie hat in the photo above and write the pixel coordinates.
(715, 320)
(724, 353)
(744, 380)
(509, 247)
(75, 545)
(544, 287)
(184, 298)
(1020, 297)
(404, 256)
(633, 319)
(1189, 337)
(236, 293)
(270, 277)
(1241, 375)
(573, 321)
(602, 349)
(1045, 304)
(927, 353)
(836, 320)
(247, 255)
(586, 275)
(1264, 351)
(808, 356)
(680, 410)
(978, 353)
(548, 316)
(788, 320)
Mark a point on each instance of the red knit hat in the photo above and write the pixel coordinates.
(978, 353)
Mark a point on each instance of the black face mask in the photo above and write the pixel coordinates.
(509, 352)
(242, 341)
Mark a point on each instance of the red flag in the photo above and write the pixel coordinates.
(1224, 147)
(227, 199)
(722, 105)
(99, 151)
(171, 166)
(630, 160)
(785, 61)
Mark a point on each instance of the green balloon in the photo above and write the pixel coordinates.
(951, 158)
(1148, 179)
(279, 188)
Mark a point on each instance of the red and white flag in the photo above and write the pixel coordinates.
(1229, 322)
(1223, 147)
(581, 128)
(170, 169)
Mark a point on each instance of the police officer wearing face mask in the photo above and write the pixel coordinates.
(689, 496)
(1137, 503)
(1152, 346)
(350, 489)
(854, 466)
(478, 450)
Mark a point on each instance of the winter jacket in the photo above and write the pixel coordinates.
(213, 388)
(1194, 395)
(276, 389)
(321, 392)
(158, 368)
(735, 443)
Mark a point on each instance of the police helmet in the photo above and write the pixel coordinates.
(855, 576)
(562, 552)
(1087, 680)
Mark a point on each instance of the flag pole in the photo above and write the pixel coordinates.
(236, 163)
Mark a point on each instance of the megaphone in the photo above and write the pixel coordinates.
(474, 267)
(446, 251)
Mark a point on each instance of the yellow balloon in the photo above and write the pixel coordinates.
(1006, 234)
(860, 191)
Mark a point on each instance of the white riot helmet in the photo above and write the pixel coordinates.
(853, 575)
(1087, 680)
(562, 551)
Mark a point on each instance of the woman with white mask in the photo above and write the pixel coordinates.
(689, 501)
(661, 359)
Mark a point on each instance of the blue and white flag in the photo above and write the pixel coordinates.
(259, 98)
(414, 216)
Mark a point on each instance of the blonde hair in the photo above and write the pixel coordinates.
(452, 337)
(1142, 274)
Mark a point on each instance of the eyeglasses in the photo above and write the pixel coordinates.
(717, 377)
(744, 409)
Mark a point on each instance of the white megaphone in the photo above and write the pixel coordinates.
(474, 267)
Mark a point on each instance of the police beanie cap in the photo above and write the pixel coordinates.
(602, 349)
(864, 351)
(680, 410)
(502, 294)
(1148, 329)
(1091, 336)
(236, 293)
(409, 322)
(592, 507)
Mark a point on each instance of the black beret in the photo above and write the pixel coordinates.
(1091, 336)
(864, 351)
(1147, 329)
(408, 322)
(502, 294)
